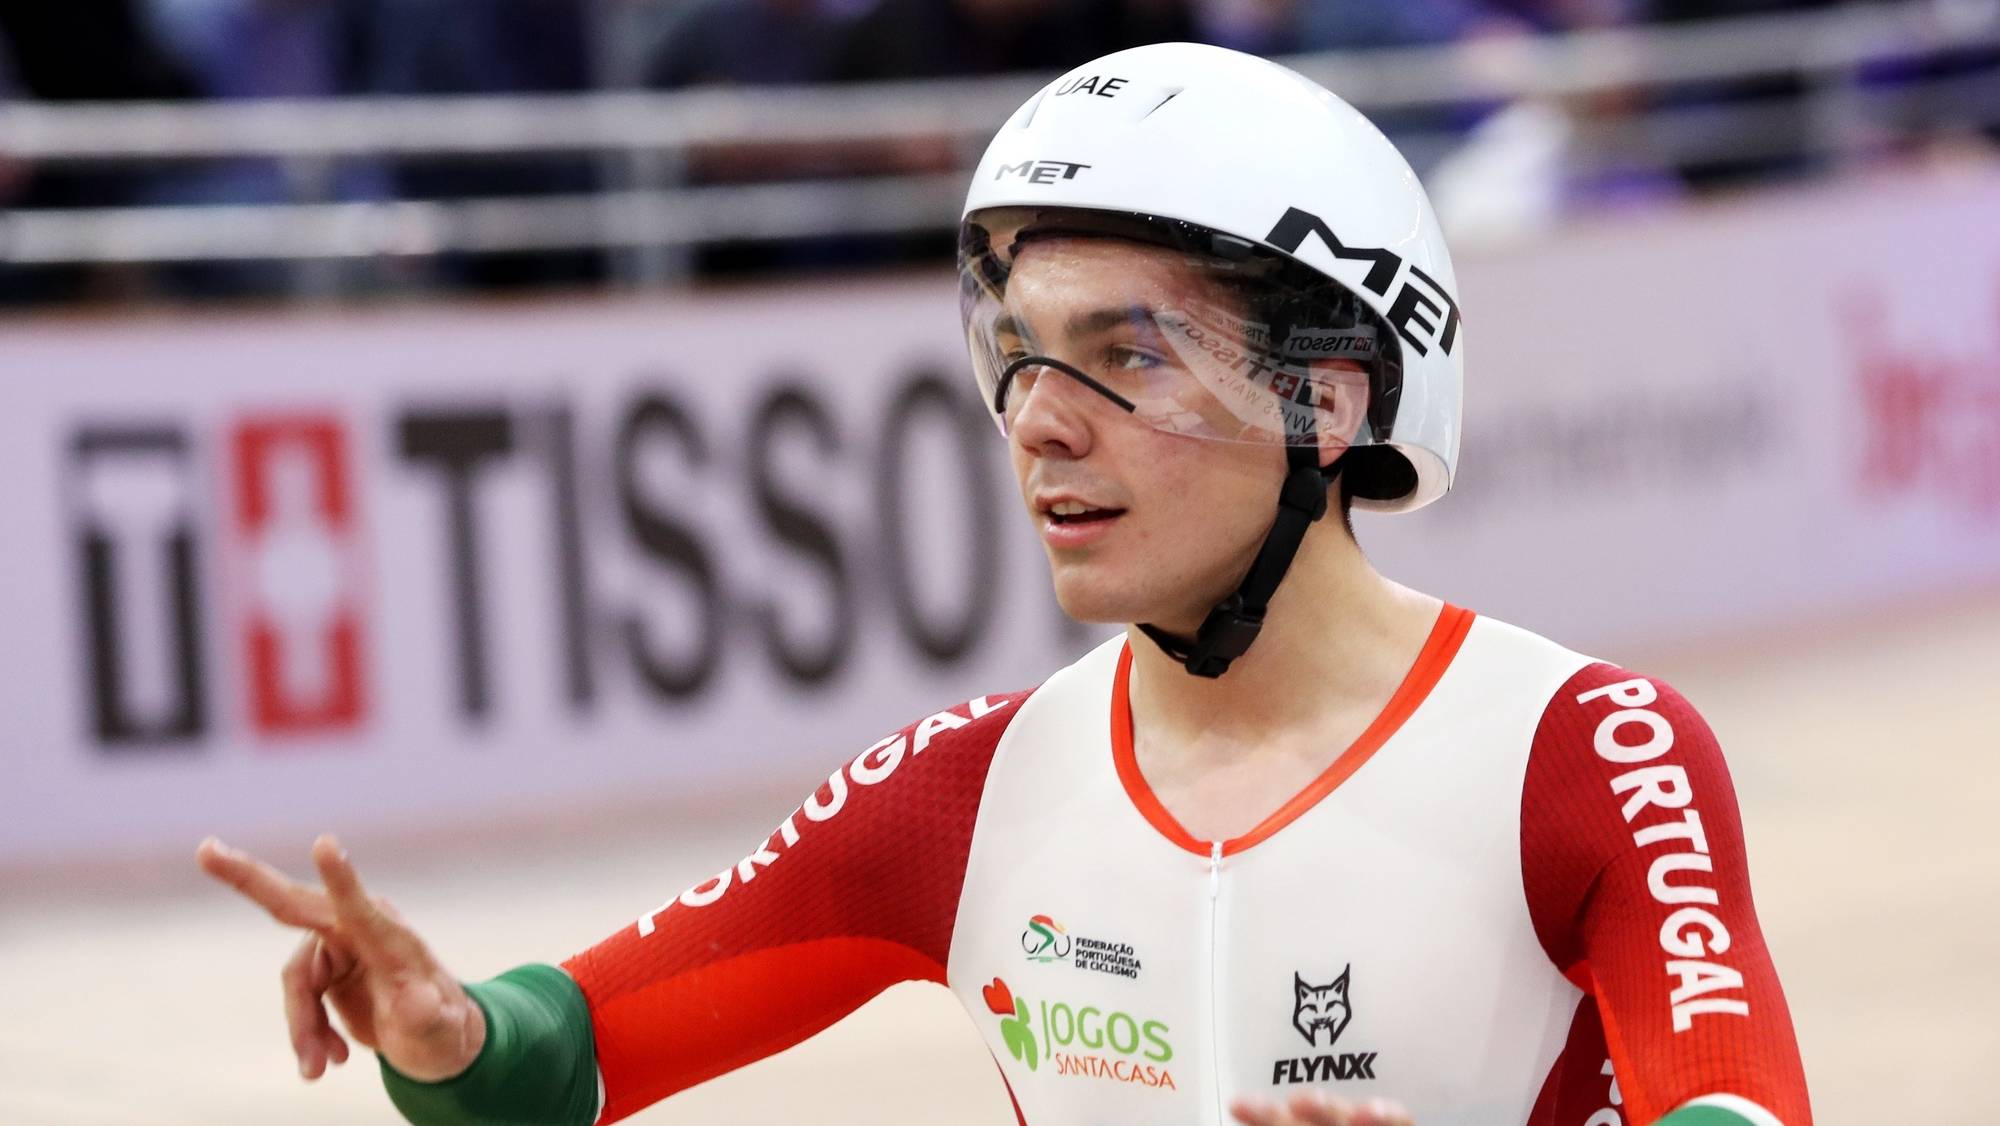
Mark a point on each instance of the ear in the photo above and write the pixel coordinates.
(1299, 985)
(1340, 983)
(1341, 389)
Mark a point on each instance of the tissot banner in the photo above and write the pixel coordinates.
(449, 563)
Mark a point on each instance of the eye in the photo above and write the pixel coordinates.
(1126, 358)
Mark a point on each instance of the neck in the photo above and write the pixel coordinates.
(1338, 636)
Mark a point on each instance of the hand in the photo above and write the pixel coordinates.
(389, 991)
(1317, 1108)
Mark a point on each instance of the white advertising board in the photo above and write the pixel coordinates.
(1717, 421)
(436, 565)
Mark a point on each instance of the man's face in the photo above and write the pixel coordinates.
(1140, 525)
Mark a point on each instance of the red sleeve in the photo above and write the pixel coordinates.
(1632, 859)
(855, 891)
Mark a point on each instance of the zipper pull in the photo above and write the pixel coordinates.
(1215, 870)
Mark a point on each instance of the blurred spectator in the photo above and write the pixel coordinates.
(949, 38)
(478, 46)
(13, 173)
(1283, 27)
(783, 42)
(745, 42)
(258, 48)
(1786, 117)
(915, 39)
(1944, 105)
(761, 43)
(1685, 11)
(1288, 27)
(238, 49)
(1569, 131)
(81, 51)
(486, 47)
(88, 50)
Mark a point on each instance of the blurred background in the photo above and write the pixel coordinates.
(532, 437)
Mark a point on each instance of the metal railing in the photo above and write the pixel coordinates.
(640, 141)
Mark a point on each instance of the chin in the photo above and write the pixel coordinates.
(1088, 606)
(1110, 600)
(1092, 598)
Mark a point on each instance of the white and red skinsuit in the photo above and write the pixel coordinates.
(1526, 877)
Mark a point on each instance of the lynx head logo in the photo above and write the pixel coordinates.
(1320, 1008)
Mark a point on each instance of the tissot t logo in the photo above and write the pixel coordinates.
(287, 571)
(132, 517)
(1421, 311)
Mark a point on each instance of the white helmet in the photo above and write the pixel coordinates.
(1243, 148)
(1311, 269)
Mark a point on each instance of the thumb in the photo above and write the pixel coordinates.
(432, 1029)
(420, 1007)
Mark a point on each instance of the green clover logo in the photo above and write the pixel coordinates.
(1015, 1031)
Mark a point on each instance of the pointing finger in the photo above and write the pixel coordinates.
(288, 902)
(378, 936)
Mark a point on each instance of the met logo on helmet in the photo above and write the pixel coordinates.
(1040, 171)
(1419, 295)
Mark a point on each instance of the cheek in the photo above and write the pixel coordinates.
(1228, 489)
(1021, 462)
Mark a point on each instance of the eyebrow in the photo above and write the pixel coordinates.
(1087, 323)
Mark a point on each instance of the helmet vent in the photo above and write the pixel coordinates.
(1157, 106)
(1026, 116)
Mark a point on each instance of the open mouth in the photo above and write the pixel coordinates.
(1076, 512)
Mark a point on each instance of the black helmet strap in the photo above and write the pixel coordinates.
(1233, 624)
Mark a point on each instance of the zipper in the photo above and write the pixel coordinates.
(1215, 1029)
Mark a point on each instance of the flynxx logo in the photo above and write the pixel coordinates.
(1320, 1013)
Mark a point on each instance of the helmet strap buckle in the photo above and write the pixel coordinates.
(1226, 633)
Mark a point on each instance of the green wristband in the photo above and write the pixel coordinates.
(1703, 1116)
(538, 1065)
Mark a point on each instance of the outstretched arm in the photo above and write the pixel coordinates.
(855, 891)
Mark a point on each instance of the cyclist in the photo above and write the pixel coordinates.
(1300, 842)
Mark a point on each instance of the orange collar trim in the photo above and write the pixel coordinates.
(1439, 649)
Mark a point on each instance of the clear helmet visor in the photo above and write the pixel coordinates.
(1191, 332)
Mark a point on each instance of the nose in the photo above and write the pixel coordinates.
(1050, 413)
